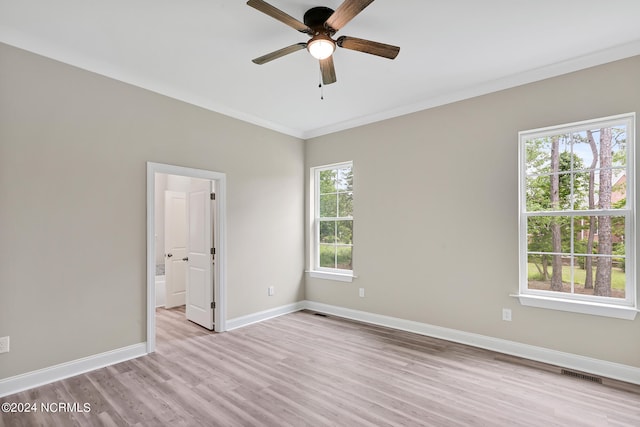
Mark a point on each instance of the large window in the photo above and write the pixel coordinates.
(333, 219)
(577, 217)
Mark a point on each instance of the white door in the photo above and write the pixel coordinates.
(200, 265)
(175, 244)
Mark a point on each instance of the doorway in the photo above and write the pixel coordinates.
(202, 251)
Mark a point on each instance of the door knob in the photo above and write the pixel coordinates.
(185, 258)
(169, 255)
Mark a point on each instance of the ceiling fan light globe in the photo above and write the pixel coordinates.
(321, 48)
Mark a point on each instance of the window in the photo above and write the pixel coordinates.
(332, 251)
(577, 217)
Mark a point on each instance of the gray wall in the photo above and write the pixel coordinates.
(436, 213)
(73, 153)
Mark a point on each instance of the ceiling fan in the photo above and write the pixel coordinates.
(321, 23)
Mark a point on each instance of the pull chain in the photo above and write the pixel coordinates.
(320, 85)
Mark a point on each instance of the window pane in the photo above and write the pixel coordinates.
(344, 232)
(580, 195)
(618, 277)
(539, 196)
(345, 179)
(584, 200)
(539, 152)
(607, 276)
(329, 206)
(582, 150)
(345, 204)
(585, 228)
(327, 256)
(582, 284)
(327, 232)
(616, 199)
(564, 197)
(607, 235)
(344, 257)
(619, 190)
(618, 147)
(614, 137)
(610, 235)
(328, 180)
(540, 231)
(585, 142)
(540, 273)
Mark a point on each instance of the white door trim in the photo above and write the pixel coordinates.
(220, 243)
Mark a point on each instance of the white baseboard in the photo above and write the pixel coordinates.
(48, 375)
(576, 362)
(260, 316)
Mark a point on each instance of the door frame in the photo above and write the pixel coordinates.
(220, 242)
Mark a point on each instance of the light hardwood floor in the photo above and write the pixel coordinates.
(307, 370)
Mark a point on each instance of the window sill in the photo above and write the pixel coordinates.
(331, 276)
(596, 309)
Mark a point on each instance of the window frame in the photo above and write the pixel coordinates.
(316, 270)
(572, 302)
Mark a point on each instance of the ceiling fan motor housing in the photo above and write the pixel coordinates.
(315, 18)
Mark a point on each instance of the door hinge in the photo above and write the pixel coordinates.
(213, 196)
(213, 304)
(213, 251)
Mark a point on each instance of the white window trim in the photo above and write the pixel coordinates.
(577, 306)
(331, 276)
(598, 306)
(315, 270)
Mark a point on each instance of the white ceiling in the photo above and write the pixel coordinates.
(200, 51)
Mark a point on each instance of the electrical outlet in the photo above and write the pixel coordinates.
(506, 314)
(361, 292)
(4, 345)
(271, 291)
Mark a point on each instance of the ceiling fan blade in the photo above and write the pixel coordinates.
(328, 71)
(368, 46)
(276, 13)
(279, 53)
(345, 13)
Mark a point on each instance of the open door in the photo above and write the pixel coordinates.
(175, 243)
(199, 305)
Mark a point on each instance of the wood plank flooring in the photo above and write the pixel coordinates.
(306, 370)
